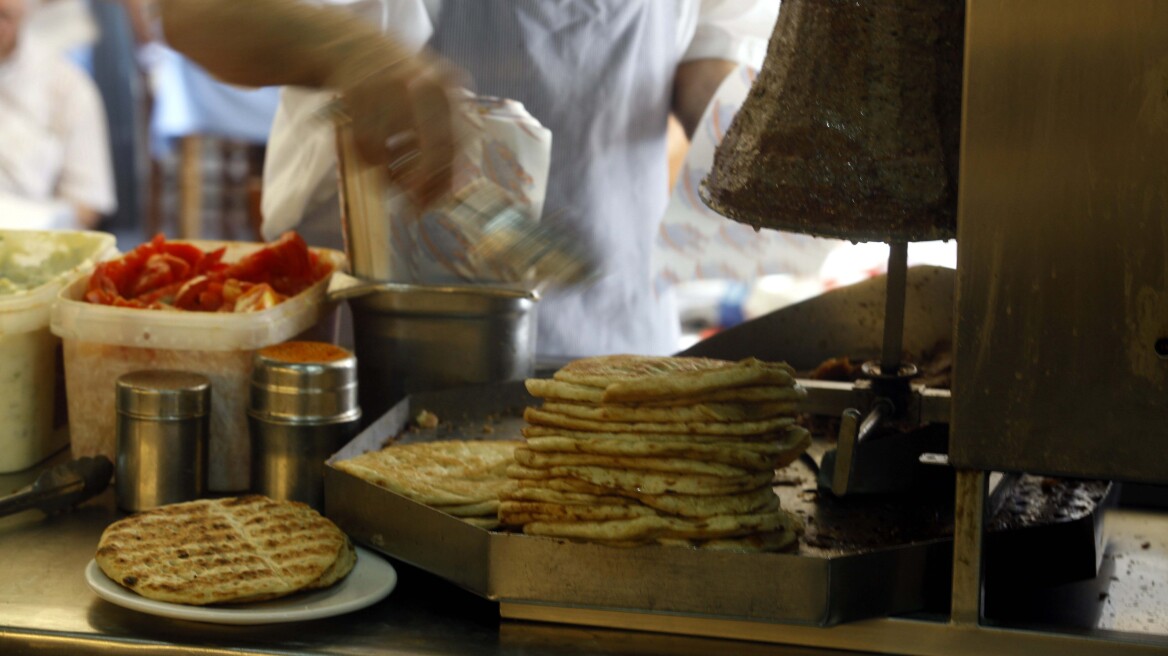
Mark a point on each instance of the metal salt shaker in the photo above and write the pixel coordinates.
(303, 408)
(163, 428)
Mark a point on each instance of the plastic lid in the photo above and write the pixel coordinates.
(164, 394)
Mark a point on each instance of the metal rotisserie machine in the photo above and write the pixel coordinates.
(1058, 194)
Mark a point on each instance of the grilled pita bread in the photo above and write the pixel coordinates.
(518, 513)
(339, 569)
(441, 473)
(655, 527)
(683, 505)
(486, 523)
(538, 460)
(551, 389)
(700, 412)
(647, 482)
(633, 450)
(628, 378)
(761, 427)
(225, 551)
(535, 491)
(481, 509)
(532, 430)
(751, 455)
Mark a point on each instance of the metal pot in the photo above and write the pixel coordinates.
(414, 338)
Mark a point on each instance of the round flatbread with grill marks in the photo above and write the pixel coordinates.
(656, 527)
(673, 413)
(541, 460)
(647, 482)
(749, 455)
(439, 473)
(549, 388)
(635, 378)
(761, 427)
(518, 513)
(222, 551)
(684, 505)
(531, 430)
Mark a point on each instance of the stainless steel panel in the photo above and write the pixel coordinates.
(1062, 239)
(848, 321)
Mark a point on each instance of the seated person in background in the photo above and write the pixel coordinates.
(55, 167)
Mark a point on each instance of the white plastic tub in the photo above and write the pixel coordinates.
(34, 265)
(102, 342)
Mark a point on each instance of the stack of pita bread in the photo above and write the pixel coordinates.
(225, 551)
(463, 478)
(629, 450)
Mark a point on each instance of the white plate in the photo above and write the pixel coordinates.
(371, 580)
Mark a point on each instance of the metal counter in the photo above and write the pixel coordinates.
(47, 608)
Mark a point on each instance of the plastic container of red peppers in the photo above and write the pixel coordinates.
(197, 306)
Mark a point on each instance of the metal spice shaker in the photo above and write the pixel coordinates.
(163, 428)
(303, 408)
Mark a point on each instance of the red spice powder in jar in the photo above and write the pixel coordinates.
(304, 352)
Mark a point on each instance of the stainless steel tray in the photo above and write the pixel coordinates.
(854, 569)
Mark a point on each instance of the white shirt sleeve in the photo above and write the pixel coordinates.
(87, 170)
(734, 30)
(300, 166)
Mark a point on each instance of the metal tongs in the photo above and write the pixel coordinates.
(503, 236)
(61, 487)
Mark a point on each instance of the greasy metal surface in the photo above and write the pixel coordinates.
(1063, 240)
(46, 608)
(848, 321)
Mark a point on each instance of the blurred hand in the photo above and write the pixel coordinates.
(403, 116)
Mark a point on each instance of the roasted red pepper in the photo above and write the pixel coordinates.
(160, 274)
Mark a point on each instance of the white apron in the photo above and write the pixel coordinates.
(598, 74)
(32, 151)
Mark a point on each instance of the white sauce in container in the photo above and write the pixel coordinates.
(34, 265)
(27, 378)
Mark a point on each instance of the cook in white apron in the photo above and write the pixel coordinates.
(598, 74)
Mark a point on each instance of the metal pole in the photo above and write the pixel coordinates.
(894, 309)
(968, 531)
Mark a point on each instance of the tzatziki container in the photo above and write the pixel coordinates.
(34, 265)
(102, 342)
